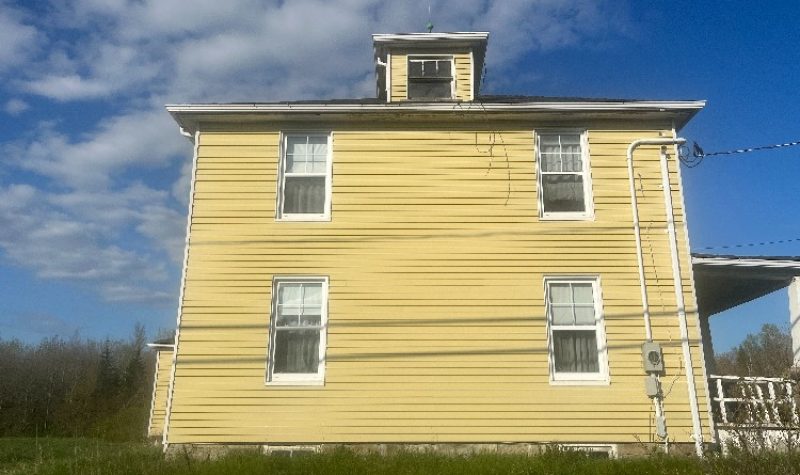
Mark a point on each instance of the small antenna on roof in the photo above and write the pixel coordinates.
(429, 25)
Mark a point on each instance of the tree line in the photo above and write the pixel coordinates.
(767, 353)
(76, 387)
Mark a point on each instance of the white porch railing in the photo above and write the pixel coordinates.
(754, 402)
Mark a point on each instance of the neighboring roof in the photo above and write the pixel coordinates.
(747, 261)
(163, 343)
(498, 107)
(724, 281)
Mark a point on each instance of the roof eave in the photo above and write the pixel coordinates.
(735, 261)
(162, 346)
(436, 37)
(187, 115)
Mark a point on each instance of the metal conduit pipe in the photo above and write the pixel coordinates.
(696, 429)
(637, 230)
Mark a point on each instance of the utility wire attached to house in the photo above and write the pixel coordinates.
(753, 244)
(698, 154)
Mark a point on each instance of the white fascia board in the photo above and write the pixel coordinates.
(727, 261)
(459, 107)
(457, 36)
(161, 346)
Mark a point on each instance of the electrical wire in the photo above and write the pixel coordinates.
(697, 154)
(753, 244)
(751, 149)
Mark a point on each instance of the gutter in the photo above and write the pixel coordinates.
(448, 106)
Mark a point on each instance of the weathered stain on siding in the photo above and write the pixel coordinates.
(399, 75)
(436, 259)
(160, 388)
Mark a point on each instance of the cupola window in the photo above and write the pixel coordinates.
(430, 77)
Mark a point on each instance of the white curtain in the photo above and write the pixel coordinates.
(306, 167)
(296, 351)
(561, 191)
(304, 194)
(575, 351)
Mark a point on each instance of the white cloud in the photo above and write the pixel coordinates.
(16, 106)
(250, 50)
(137, 140)
(106, 218)
(18, 39)
(67, 87)
(58, 236)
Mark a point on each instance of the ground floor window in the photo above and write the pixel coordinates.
(298, 330)
(576, 336)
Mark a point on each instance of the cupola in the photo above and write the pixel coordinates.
(429, 67)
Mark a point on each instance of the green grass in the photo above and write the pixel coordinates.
(91, 456)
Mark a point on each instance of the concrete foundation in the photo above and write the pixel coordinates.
(213, 451)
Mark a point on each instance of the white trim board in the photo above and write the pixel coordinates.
(747, 262)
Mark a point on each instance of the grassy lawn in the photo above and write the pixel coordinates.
(90, 456)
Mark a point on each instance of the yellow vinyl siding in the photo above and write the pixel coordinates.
(160, 390)
(399, 78)
(436, 258)
(462, 62)
(463, 71)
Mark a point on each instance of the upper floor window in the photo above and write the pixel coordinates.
(430, 77)
(576, 333)
(564, 184)
(299, 318)
(305, 177)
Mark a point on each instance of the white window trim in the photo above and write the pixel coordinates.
(588, 213)
(304, 217)
(602, 377)
(298, 379)
(433, 56)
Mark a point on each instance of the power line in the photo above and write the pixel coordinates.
(698, 154)
(753, 244)
(746, 150)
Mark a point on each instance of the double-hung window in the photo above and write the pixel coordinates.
(430, 77)
(305, 183)
(298, 330)
(564, 182)
(576, 334)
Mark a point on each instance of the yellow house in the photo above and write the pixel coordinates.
(164, 350)
(436, 267)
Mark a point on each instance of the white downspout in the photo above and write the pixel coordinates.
(678, 284)
(195, 138)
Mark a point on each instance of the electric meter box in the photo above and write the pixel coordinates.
(652, 357)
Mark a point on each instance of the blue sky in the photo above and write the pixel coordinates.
(94, 176)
